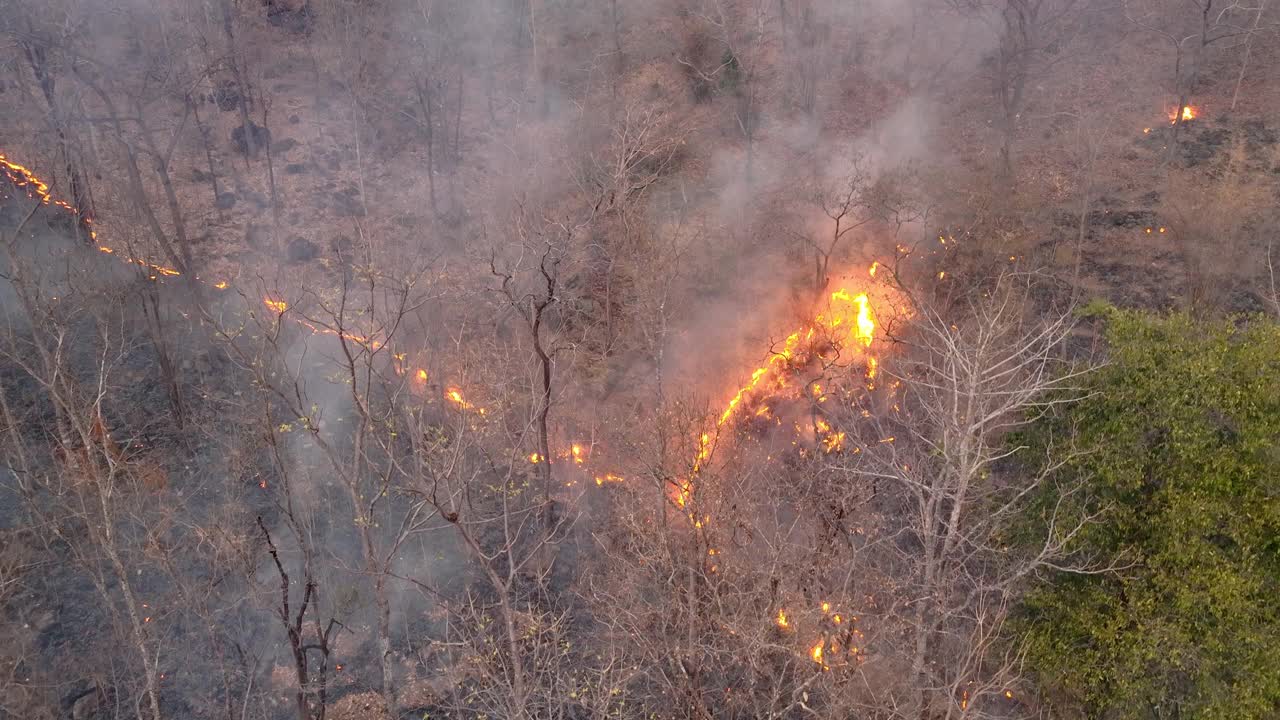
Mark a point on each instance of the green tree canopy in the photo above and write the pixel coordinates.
(1182, 465)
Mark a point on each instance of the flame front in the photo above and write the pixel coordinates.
(846, 321)
(843, 311)
(454, 395)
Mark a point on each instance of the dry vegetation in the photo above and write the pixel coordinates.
(379, 359)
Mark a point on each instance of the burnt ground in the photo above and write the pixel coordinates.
(326, 195)
(1136, 239)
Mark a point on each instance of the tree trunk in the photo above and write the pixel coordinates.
(204, 141)
(384, 642)
(544, 437)
(250, 140)
(428, 129)
(38, 59)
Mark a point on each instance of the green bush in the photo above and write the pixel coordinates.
(1182, 468)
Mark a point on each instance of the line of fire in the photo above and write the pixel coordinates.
(842, 333)
(777, 405)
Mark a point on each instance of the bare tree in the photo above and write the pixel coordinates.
(741, 37)
(1192, 30)
(1028, 32)
(968, 379)
(87, 493)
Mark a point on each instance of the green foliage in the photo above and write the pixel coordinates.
(1183, 468)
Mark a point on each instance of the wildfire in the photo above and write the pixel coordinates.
(36, 188)
(158, 268)
(1188, 113)
(847, 320)
(454, 395)
(844, 311)
(680, 492)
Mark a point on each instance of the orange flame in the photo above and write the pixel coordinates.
(847, 320)
(844, 310)
(454, 395)
(36, 188)
(681, 492)
(781, 620)
(23, 177)
(833, 442)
